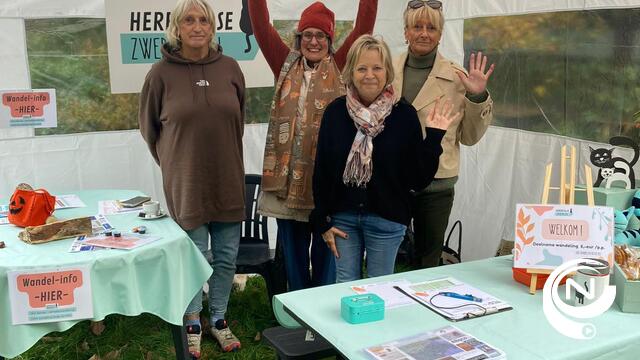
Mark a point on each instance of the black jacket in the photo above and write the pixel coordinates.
(402, 161)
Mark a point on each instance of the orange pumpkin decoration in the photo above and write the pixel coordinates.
(29, 207)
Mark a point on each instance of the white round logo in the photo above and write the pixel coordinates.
(555, 309)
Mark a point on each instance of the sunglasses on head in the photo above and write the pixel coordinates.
(417, 4)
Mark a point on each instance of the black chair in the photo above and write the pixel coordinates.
(406, 252)
(254, 254)
(450, 256)
(292, 344)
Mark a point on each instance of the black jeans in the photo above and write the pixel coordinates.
(430, 211)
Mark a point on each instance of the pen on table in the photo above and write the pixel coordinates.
(468, 297)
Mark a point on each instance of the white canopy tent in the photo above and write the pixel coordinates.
(505, 168)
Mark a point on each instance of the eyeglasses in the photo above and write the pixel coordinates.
(190, 20)
(417, 4)
(308, 36)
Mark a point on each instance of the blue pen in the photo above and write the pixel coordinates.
(468, 297)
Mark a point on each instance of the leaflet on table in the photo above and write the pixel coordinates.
(79, 245)
(448, 343)
(392, 297)
(112, 207)
(125, 241)
(68, 201)
(430, 294)
(4, 212)
(99, 224)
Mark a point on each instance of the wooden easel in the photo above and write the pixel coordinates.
(567, 194)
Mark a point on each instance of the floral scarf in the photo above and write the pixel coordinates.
(290, 148)
(370, 122)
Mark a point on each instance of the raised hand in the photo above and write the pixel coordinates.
(476, 82)
(440, 115)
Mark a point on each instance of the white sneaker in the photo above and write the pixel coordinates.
(221, 332)
(194, 338)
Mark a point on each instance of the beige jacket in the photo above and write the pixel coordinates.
(444, 82)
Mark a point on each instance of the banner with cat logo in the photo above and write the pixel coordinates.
(136, 32)
(612, 169)
(550, 235)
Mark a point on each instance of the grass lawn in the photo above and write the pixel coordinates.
(147, 337)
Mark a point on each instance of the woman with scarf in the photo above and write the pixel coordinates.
(423, 75)
(308, 79)
(370, 155)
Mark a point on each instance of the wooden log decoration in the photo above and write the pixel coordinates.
(56, 231)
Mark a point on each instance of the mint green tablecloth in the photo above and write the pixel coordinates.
(160, 278)
(523, 333)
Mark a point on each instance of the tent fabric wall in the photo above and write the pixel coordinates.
(30, 9)
(13, 65)
(505, 168)
(100, 160)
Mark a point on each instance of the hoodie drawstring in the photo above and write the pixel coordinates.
(206, 85)
(192, 85)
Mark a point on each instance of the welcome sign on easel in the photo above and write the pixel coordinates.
(549, 235)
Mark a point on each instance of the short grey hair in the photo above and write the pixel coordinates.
(178, 13)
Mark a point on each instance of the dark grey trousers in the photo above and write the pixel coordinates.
(430, 211)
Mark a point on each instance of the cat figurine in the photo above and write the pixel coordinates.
(615, 169)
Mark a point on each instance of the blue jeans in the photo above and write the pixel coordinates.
(295, 237)
(378, 237)
(225, 241)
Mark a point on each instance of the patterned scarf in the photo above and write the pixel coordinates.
(292, 136)
(370, 122)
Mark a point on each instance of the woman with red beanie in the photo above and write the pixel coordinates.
(308, 79)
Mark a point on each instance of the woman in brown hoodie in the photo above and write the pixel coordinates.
(192, 118)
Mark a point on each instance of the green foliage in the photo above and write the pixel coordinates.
(148, 337)
(572, 73)
(70, 55)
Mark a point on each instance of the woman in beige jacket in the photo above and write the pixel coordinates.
(423, 75)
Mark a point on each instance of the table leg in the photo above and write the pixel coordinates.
(179, 342)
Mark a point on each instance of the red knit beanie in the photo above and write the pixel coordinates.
(318, 16)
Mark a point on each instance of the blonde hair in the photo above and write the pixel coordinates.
(413, 16)
(178, 13)
(362, 44)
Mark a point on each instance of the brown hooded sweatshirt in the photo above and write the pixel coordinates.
(192, 118)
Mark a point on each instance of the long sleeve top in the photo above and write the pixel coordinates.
(275, 50)
(442, 82)
(192, 119)
(402, 161)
